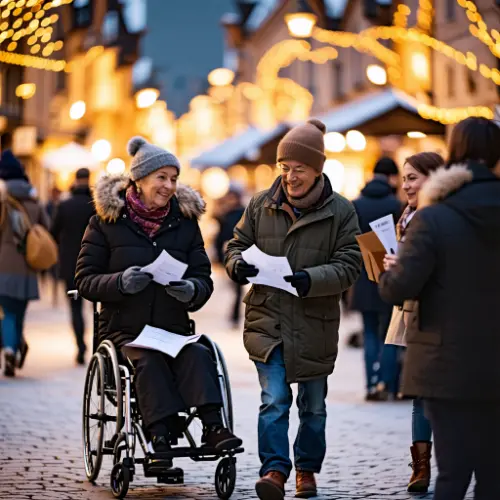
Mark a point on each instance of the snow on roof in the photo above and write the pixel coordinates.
(335, 8)
(365, 108)
(242, 146)
(260, 14)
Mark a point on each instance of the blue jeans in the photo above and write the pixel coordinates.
(420, 425)
(14, 311)
(377, 354)
(310, 444)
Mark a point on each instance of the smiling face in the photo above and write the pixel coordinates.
(413, 180)
(157, 189)
(297, 178)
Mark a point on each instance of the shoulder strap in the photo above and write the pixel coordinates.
(20, 207)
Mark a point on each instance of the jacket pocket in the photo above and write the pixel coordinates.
(323, 318)
(415, 334)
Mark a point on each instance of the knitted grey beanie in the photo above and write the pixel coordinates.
(147, 158)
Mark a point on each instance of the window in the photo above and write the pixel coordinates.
(82, 13)
(451, 81)
(338, 87)
(450, 10)
(471, 82)
(110, 27)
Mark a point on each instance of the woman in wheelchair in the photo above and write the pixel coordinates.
(137, 218)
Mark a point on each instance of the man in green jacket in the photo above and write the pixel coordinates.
(295, 339)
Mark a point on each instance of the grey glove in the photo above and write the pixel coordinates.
(183, 290)
(133, 280)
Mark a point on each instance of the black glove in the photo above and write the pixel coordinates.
(184, 290)
(133, 280)
(301, 281)
(243, 271)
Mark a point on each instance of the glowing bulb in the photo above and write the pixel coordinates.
(416, 135)
(26, 90)
(145, 98)
(77, 110)
(115, 166)
(420, 65)
(215, 182)
(334, 142)
(101, 149)
(335, 171)
(376, 74)
(301, 24)
(221, 77)
(356, 140)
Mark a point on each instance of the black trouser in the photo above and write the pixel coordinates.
(166, 386)
(77, 320)
(238, 290)
(466, 440)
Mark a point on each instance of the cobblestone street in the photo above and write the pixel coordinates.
(40, 428)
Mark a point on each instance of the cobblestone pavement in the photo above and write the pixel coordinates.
(40, 436)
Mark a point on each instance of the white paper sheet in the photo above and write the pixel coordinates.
(161, 340)
(166, 269)
(272, 270)
(385, 230)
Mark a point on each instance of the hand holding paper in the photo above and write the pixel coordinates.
(166, 269)
(385, 230)
(271, 270)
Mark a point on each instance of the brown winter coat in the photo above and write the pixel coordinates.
(17, 280)
(321, 242)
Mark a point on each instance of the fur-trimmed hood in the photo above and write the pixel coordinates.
(109, 198)
(471, 190)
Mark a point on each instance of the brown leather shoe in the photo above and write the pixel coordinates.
(421, 465)
(271, 486)
(306, 485)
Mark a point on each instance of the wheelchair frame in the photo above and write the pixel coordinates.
(115, 378)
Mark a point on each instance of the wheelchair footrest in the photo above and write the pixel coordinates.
(173, 476)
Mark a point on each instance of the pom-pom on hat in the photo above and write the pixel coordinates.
(147, 158)
(305, 144)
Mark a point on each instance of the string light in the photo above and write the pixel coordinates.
(32, 61)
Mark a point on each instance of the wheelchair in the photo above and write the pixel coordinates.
(112, 423)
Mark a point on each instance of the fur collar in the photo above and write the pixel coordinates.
(443, 182)
(109, 200)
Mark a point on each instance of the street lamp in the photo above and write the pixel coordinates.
(301, 23)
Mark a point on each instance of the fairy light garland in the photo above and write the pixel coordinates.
(479, 29)
(30, 22)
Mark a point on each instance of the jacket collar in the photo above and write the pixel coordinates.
(109, 199)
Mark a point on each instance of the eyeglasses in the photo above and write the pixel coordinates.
(285, 169)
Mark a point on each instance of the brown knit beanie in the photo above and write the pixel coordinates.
(305, 144)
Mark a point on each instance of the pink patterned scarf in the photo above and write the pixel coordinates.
(149, 221)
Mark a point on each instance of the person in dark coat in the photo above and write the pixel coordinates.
(233, 212)
(137, 219)
(377, 200)
(450, 263)
(18, 282)
(70, 221)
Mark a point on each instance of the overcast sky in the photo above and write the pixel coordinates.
(185, 40)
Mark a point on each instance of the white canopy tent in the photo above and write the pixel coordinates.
(69, 158)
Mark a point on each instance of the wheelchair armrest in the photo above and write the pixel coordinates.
(72, 294)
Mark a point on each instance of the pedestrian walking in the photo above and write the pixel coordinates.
(18, 282)
(381, 364)
(416, 172)
(450, 263)
(233, 211)
(295, 339)
(138, 217)
(70, 220)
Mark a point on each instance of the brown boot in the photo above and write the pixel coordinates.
(306, 485)
(271, 486)
(421, 465)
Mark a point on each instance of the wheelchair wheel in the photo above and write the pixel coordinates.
(93, 426)
(225, 477)
(226, 396)
(113, 400)
(120, 480)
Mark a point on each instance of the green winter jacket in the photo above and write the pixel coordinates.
(323, 243)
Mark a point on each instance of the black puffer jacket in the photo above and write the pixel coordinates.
(112, 243)
(377, 200)
(450, 262)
